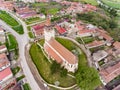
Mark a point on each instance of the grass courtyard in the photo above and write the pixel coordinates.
(112, 3)
(47, 8)
(11, 22)
(11, 42)
(33, 20)
(92, 2)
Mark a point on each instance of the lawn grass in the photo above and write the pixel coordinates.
(15, 70)
(92, 2)
(11, 22)
(33, 20)
(8, 19)
(20, 78)
(47, 8)
(53, 11)
(66, 43)
(30, 34)
(111, 3)
(18, 29)
(87, 39)
(11, 42)
(26, 86)
(43, 67)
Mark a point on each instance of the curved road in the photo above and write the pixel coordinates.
(22, 41)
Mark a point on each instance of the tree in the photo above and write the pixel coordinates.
(87, 78)
(55, 67)
(63, 72)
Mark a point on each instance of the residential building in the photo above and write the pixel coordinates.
(38, 30)
(3, 49)
(4, 63)
(58, 52)
(109, 73)
(95, 44)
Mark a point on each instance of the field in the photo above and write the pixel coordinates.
(112, 3)
(11, 42)
(11, 22)
(8, 19)
(47, 8)
(33, 20)
(92, 2)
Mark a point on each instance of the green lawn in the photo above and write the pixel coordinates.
(26, 86)
(30, 34)
(112, 3)
(20, 78)
(47, 8)
(8, 19)
(11, 42)
(92, 2)
(33, 20)
(15, 70)
(18, 29)
(87, 39)
(11, 22)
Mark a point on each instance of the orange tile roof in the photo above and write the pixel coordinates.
(117, 45)
(5, 73)
(95, 43)
(3, 60)
(110, 73)
(105, 35)
(66, 54)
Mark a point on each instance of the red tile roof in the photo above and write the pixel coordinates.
(4, 73)
(104, 34)
(111, 72)
(60, 29)
(56, 49)
(117, 45)
(3, 60)
(95, 44)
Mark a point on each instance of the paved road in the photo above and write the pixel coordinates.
(22, 41)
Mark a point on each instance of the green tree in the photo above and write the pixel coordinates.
(63, 72)
(87, 78)
(55, 67)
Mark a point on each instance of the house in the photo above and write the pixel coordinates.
(3, 49)
(38, 30)
(110, 73)
(95, 44)
(116, 45)
(99, 55)
(104, 35)
(4, 63)
(58, 52)
(5, 75)
(60, 30)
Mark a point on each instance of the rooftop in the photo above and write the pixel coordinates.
(110, 73)
(4, 73)
(3, 60)
(117, 45)
(57, 51)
